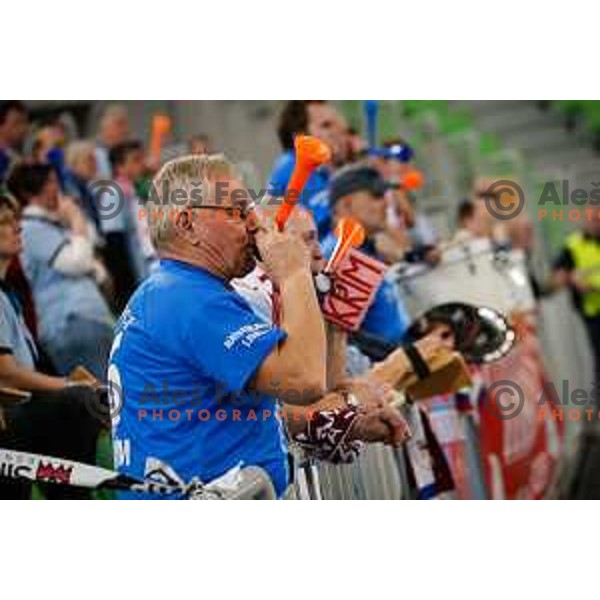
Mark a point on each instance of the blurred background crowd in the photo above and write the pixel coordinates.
(422, 186)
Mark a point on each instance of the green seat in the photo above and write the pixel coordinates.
(352, 110)
(489, 144)
(591, 112)
(412, 108)
(571, 108)
(455, 121)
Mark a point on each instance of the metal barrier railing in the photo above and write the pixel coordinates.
(381, 473)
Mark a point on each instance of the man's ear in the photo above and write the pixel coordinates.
(343, 206)
(184, 227)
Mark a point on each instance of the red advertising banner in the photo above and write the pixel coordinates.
(520, 443)
(449, 430)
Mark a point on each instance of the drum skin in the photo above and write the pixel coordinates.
(472, 273)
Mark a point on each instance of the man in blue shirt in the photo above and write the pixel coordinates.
(359, 192)
(196, 373)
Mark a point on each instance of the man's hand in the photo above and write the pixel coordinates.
(432, 256)
(440, 339)
(371, 394)
(283, 254)
(69, 212)
(392, 244)
(67, 209)
(384, 425)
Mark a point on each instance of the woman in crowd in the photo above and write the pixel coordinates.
(55, 421)
(75, 323)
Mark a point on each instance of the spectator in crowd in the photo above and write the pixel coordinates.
(16, 279)
(74, 322)
(359, 192)
(371, 420)
(128, 251)
(199, 144)
(484, 220)
(81, 172)
(473, 221)
(186, 324)
(319, 119)
(14, 124)
(469, 224)
(55, 421)
(578, 268)
(114, 130)
(357, 147)
(48, 147)
(395, 162)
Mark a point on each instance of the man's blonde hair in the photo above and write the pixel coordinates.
(193, 174)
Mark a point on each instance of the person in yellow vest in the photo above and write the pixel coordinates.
(578, 267)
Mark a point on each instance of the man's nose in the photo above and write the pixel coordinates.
(252, 224)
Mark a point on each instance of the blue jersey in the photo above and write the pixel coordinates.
(314, 197)
(387, 317)
(185, 351)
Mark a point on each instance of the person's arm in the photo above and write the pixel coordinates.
(297, 417)
(392, 245)
(76, 257)
(397, 368)
(333, 431)
(337, 342)
(298, 364)
(73, 217)
(404, 207)
(14, 375)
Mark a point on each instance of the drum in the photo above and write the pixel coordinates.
(471, 272)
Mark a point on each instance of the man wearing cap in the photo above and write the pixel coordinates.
(359, 192)
(393, 161)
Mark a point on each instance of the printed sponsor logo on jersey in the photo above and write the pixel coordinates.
(246, 335)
